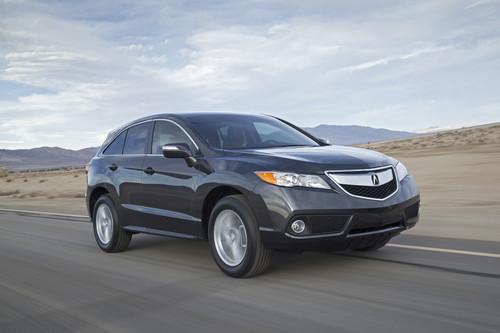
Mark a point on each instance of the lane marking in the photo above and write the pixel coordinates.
(34, 212)
(437, 249)
(434, 267)
(402, 246)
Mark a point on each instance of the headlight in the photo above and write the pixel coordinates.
(289, 179)
(401, 170)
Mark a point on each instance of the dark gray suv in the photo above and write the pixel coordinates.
(249, 184)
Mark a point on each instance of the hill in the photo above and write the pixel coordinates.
(350, 135)
(45, 158)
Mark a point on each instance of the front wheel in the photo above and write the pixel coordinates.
(110, 237)
(235, 239)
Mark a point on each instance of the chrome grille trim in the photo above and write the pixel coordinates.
(360, 177)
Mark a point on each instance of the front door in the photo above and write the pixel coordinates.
(169, 183)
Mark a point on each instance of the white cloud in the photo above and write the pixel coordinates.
(98, 65)
(388, 60)
(481, 3)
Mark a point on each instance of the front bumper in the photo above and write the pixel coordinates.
(334, 220)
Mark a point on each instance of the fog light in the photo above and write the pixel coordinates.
(298, 226)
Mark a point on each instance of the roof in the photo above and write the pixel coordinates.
(191, 114)
(177, 115)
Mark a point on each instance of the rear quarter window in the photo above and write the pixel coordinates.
(116, 147)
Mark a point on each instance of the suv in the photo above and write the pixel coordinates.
(247, 183)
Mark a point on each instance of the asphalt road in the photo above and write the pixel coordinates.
(54, 278)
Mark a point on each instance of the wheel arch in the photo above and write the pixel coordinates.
(96, 192)
(212, 197)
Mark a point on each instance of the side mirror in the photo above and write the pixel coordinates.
(324, 142)
(179, 151)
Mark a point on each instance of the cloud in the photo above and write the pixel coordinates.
(481, 3)
(388, 60)
(87, 67)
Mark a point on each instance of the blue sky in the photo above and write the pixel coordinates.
(71, 71)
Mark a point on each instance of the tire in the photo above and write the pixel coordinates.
(378, 244)
(256, 257)
(116, 239)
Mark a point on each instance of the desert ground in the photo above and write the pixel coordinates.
(458, 172)
(54, 191)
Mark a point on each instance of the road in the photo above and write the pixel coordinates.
(53, 278)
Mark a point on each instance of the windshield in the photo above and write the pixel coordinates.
(247, 132)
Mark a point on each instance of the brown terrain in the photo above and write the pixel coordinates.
(458, 172)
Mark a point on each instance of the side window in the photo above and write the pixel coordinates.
(136, 140)
(116, 147)
(167, 133)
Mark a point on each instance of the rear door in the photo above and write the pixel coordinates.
(169, 184)
(130, 173)
(112, 163)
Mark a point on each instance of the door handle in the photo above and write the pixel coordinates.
(112, 167)
(149, 170)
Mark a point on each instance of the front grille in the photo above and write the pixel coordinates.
(376, 184)
(375, 192)
(323, 224)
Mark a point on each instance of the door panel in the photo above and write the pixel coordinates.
(169, 185)
(129, 174)
(125, 173)
(130, 180)
(169, 194)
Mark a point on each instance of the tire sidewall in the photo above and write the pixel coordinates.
(240, 208)
(106, 200)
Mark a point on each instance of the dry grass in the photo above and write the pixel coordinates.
(4, 172)
(49, 184)
(8, 193)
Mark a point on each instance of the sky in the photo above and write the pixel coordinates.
(71, 71)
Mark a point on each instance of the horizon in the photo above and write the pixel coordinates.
(77, 70)
(430, 131)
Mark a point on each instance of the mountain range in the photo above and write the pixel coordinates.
(351, 135)
(56, 157)
(45, 158)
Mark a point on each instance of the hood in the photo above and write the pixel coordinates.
(301, 159)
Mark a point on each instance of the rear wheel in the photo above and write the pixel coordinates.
(235, 239)
(110, 237)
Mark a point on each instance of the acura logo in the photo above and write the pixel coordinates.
(375, 179)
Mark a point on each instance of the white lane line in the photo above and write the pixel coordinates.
(34, 212)
(410, 247)
(437, 249)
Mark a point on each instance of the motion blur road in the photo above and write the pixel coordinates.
(53, 278)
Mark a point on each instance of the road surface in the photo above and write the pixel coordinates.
(53, 278)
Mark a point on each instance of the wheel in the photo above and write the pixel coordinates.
(235, 239)
(378, 244)
(107, 231)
